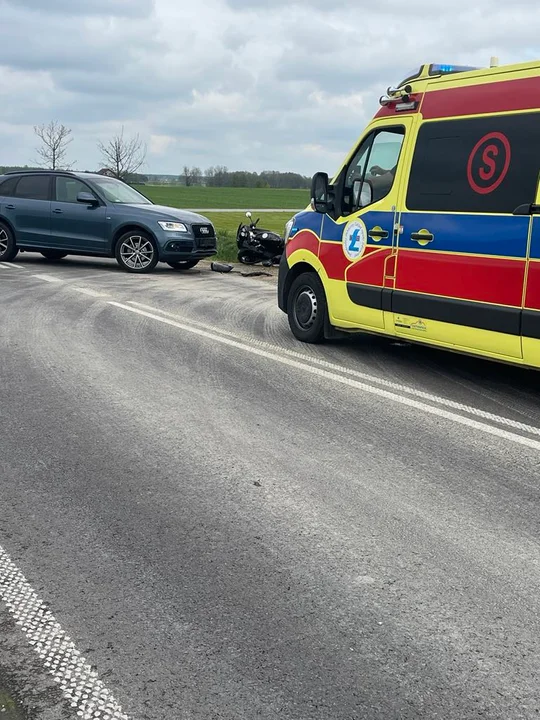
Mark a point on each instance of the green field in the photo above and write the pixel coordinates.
(227, 198)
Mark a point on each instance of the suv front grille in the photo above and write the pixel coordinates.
(205, 235)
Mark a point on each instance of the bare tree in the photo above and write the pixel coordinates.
(196, 175)
(122, 155)
(188, 177)
(55, 139)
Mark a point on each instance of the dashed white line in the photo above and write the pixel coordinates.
(80, 684)
(306, 366)
(48, 278)
(90, 293)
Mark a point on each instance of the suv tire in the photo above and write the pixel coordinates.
(53, 254)
(136, 252)
(8, 246)
(183, 264)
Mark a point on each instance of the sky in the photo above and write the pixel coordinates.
(250, 84)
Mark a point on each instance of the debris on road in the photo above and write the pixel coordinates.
(221, 267)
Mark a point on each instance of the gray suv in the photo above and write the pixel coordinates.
(69, 213)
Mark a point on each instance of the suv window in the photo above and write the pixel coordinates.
(67, 189)
(8, 186)
(376, 162)
(33, 187)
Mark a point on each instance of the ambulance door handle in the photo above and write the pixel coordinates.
(423, 237)
(378, 234)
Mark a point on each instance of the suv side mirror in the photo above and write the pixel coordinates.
(87, 198)
(321, 201)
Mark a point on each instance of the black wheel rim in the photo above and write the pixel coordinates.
(306, 308)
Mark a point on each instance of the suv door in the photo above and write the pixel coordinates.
(29, 210)
(359, 243)
(77, 226)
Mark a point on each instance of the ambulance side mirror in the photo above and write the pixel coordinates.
(321, 200)
(362, 194)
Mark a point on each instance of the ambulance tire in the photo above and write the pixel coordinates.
(307, 309)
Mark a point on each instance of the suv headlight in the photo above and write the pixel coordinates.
(288, 228)
(172, 226)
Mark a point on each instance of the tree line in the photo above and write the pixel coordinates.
(221, 176)
(122, 157)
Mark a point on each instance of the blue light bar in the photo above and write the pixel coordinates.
(439, 69)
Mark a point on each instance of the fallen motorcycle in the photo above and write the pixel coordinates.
(256, 245)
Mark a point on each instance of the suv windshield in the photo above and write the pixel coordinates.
(116, 191)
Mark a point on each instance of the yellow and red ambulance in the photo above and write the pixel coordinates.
(430, 230)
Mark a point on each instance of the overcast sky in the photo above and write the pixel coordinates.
(251, 84)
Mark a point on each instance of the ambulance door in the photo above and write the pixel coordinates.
(358, 244)
(530, 323)
(462, 253)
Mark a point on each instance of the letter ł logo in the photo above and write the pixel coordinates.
(353, 245)
(489, 163)
(354, 240)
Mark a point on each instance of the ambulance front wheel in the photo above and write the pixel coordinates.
(307, 308)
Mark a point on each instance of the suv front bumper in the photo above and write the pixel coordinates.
(186, 248)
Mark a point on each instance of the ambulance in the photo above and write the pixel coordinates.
(430, 230)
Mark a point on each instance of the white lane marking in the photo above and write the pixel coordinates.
(48, 278)
(80, 684)
(338, 378)
(90, 293)
(420, 394)
(6, 266)
(19, 267)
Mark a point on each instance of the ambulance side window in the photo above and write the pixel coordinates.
(375, 163)
(475, 165)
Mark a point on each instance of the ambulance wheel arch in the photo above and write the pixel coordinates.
(306, 299)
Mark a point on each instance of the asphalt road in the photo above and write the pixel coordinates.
(227, 529)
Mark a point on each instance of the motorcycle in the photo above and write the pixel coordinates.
(257, 245)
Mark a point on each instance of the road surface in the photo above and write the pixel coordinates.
(214, 521)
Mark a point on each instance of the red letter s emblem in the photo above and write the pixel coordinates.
(488, 155)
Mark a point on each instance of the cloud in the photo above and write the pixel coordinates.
(243, 83)
(113, 8)
(160, 144)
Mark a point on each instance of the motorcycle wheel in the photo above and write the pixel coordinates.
(246, 258)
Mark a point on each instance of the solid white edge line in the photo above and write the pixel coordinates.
(419, 394)
(341, 379)
(79, 683)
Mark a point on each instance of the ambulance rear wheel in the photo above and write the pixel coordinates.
(307, 308)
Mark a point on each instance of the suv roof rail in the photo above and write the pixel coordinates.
(37, 171)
